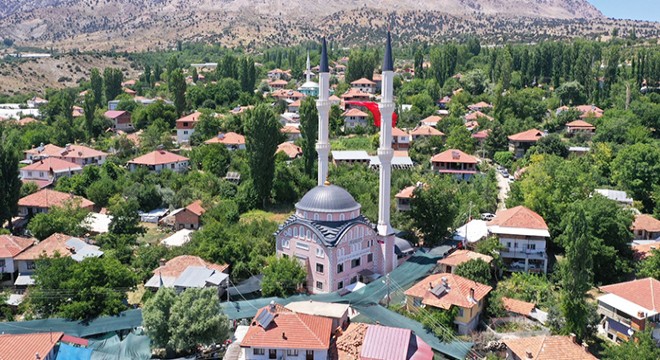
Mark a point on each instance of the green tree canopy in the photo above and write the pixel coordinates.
(262, 135)
(282, 277)
(433, 209)
(475, 270)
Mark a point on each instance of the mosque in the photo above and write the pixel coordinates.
(336, 244)
(309, 88)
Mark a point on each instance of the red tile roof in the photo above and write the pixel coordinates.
(406, 193)
(196, 208)
(398, 132)
(355, 112)
(46, 198)
(363, 81)
(386, 343)
(547, 347)
(519, 217)
(426, 130)
(290, 149)
(113, 114)
(517, 306)
(194, 117)
(641, 252)
(480, 105)
(458, 294)
(158, 157)
(643, 292)
(11, 246)
(278, 82)
(79, 151)
(52, 164)
(532, 135)
(289, 330)
(462, 256)
(473, 116)
(646, 222)
(40, 183)
(580, 124)
(48, 150)
(55, 243)
(27, 120)
(25, 346)
(230, 138)
(481, 134)
(590, 110)
(355, 93)
(176, 266)
(290, 130)
(454, 156)
(431, 119)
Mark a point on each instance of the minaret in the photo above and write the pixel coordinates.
(385, 151)
(323, 106)
(309, 69)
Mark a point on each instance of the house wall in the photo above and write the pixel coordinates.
(466, 322)
(92, 160)
(8, 266)
(25, 210)
(400, 142)
(25, 266)
(248, 354)
(403, 204)
(180, 166)
(186, 219)
(183, 135)
(353, 121)
(45, 175)
(371, 89)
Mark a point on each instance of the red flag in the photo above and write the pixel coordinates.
(373, 109)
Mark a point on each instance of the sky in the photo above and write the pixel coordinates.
(629, 9)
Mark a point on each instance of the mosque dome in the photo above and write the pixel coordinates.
(309, 85)
(327, 198)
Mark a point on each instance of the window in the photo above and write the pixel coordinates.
(30, 265)
(302, 246)
(320, 253)
(185, 124)
(272, 354)
(508, 244)
(309, 355)
(355, 263)
(2, 263)
(341, 217)
(531, 246)
(329, 217)
(256, 351)
(340, 285)
(340, 268)
(295, 231)
(460, 311)
(292, 352)
(515, 245)
(29, 173)
(319, 285)
(316, 216)
(172, 166)
(185, 132)
(285, 243)
(319, 268)
(370, 258)
(417, 302)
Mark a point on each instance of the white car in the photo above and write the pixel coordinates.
(487, 216)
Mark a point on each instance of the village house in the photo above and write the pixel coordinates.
(46, 171)
(621, 197)
(186, 218)
(292, 132)
(376, 342)
(276, 333)
(121, 120)
(518, 308)
(294, 107)
(159, 160)
(588, 111)
(449, 263)
(348, 157)
(629, 307)
(480, 137)
(480, 106)
(60, 244)
(400, 139)
(334, 100)
(36, 102)
(44, 199)
(279, 74)
(277, 84)
(456, 163)
(445, 291)
(338, 313)
(231, 140)
(185, 127)
(41, 152)
(444, 102)
(290, 149)
(355, 117)
(35, 346)
(187, 271)
(523, 235)
(364, 85)
(404, 198)
(580, 127)
(476, 116)
(546, 347)
(425, 131)
(77, 154)
(646, 227)
(519, 143)
(284, 94)
(10, 247)
(355, 95)
(431, 121)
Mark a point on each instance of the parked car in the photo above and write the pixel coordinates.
(520, 264)
(505, 173)
(487, 216)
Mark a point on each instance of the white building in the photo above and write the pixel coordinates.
(160, 160)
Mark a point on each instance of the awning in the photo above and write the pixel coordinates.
(402, 246)
(24, 280)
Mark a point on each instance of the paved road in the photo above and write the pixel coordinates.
(503, 194)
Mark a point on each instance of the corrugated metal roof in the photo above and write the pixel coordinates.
(385, 343)
(193, 277)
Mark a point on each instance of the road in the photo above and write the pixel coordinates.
(503, 194)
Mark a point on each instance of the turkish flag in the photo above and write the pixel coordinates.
(373, 108)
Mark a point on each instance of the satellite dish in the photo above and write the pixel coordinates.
(630, 332)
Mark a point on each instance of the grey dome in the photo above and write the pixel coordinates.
(327, 198)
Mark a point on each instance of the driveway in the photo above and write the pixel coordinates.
(503, 194)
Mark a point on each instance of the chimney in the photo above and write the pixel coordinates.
(641, 314)
(68, 146)
(472, 294)
(528, 355)
(271, 306)
(37, 357)
(283, 335)
(445, 282)
(573, 338)
(430, 285)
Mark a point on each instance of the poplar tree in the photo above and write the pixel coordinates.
(262, 135)
(309, 131)
(10, 183)
(97, 87)
(178, 89)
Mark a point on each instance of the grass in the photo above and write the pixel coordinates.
(364, 142)
(276, 214)
(153, 235)
(135, 297)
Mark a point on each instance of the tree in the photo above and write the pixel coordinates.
(641, 346)
(282, 277)
(125, 218)
(214, 158)
(571, 93)
(112, 79)
(551, 144)
(10, 183)
(195, 75)
(433, 209)
(577, 274)
(650, 266)
(178, 89)
(309, 130)
(156, 316)
(67, 220)
(196, 319)
(262, 135)
(475, 81)
(475, 270)
(207, 127)
(637, 168)
(89, 108)
(97, 87)
(460, 138)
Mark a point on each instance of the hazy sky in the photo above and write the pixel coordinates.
(629, 9)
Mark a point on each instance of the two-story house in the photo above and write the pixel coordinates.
(10, 247)
(292, 132)
(121, 120)
(160, 160)
(355, 117)
(400, 139)
(279, 333)
(449, 263)
(646, 227)
(425, 131)
(445, 291)
(78, 154)
(523, 234)
(48, 170)
(185, 127)
(44, 199)
(187, 271)
(231, 140)
(629, 307)
(580, 127)
(456, 163)
(277, 84)
(364, 85)
(519, 143)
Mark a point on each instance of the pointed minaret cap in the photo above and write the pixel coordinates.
(388, 63)
(324, 58)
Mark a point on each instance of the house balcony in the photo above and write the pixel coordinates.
(524, 254)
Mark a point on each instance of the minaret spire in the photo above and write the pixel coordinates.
(309, 69)
(385, 152)
(323, 106)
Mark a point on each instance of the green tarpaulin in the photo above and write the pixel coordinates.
(125, 321)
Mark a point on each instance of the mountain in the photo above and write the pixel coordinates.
(150, 24)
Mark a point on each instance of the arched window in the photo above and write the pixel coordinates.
(295, 231)
(341, 217)
(309, 235)
(302, 231)
(316, 216)
(329, 217)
